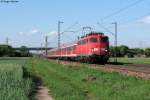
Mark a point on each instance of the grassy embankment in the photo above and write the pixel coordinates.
(132, 60)
(13, 86)
(78, 82)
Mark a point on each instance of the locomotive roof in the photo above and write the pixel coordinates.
(93, 33)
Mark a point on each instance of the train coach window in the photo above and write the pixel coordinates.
(69, 49)
(86, 40)
(74, 47)
(79, 43)
(83, 42)
(93, 40)
(63, 50)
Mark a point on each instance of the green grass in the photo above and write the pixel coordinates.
(14, 60)
(72, 82)
(132, 60)
(12, 84)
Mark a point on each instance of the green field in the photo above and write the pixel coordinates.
(69, 82)
(13, 84)
(79, 82)
(132, 60)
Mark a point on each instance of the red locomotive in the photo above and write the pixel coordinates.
(92, 47)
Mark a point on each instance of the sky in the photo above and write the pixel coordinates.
(29, 21)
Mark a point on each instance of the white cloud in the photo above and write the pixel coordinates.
(34, 31)
(21, 33)
(52, 33)
(145, 20)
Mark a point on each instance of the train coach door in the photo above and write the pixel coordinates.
(86, 46)
(71, 50)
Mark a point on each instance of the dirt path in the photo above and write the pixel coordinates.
(43, 93)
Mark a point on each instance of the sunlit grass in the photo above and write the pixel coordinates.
(12, 84)
(74, 82)
(132, 60)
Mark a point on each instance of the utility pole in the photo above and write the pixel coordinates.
(7, 41)
(41, 52)
(116, 41)
(59, 22)
(59, 33)
(46, 45)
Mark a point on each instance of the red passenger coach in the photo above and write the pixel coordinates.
(92, 47)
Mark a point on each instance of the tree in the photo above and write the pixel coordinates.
(147, 52)
(6, 50)
(112, 51)
(24, 51)
(138, 52)
(123, 50)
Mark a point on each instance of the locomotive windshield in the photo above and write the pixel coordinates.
(93, 40)
(104, 39)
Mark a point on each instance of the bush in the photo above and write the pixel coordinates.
(8, 51)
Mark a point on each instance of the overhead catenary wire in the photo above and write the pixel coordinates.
(67, 30)
(119, 11)
(68, 36)
(122, 9)
(70, 27)
(106, 29)
(137, 19)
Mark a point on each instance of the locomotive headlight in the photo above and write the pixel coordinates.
(95, 49)
(104, 49)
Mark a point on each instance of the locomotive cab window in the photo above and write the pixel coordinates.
(104, 39)
(93, 40)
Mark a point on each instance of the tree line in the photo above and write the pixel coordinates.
(122, 51)
(119, 51)
(9, 51)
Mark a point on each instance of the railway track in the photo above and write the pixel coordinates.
(138, 70)
(134, 68)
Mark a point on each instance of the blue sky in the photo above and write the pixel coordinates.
(27, 22)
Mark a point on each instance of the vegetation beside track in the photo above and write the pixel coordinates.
(13, 84)
(79, 82)
(9, 51)
(131, 60)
